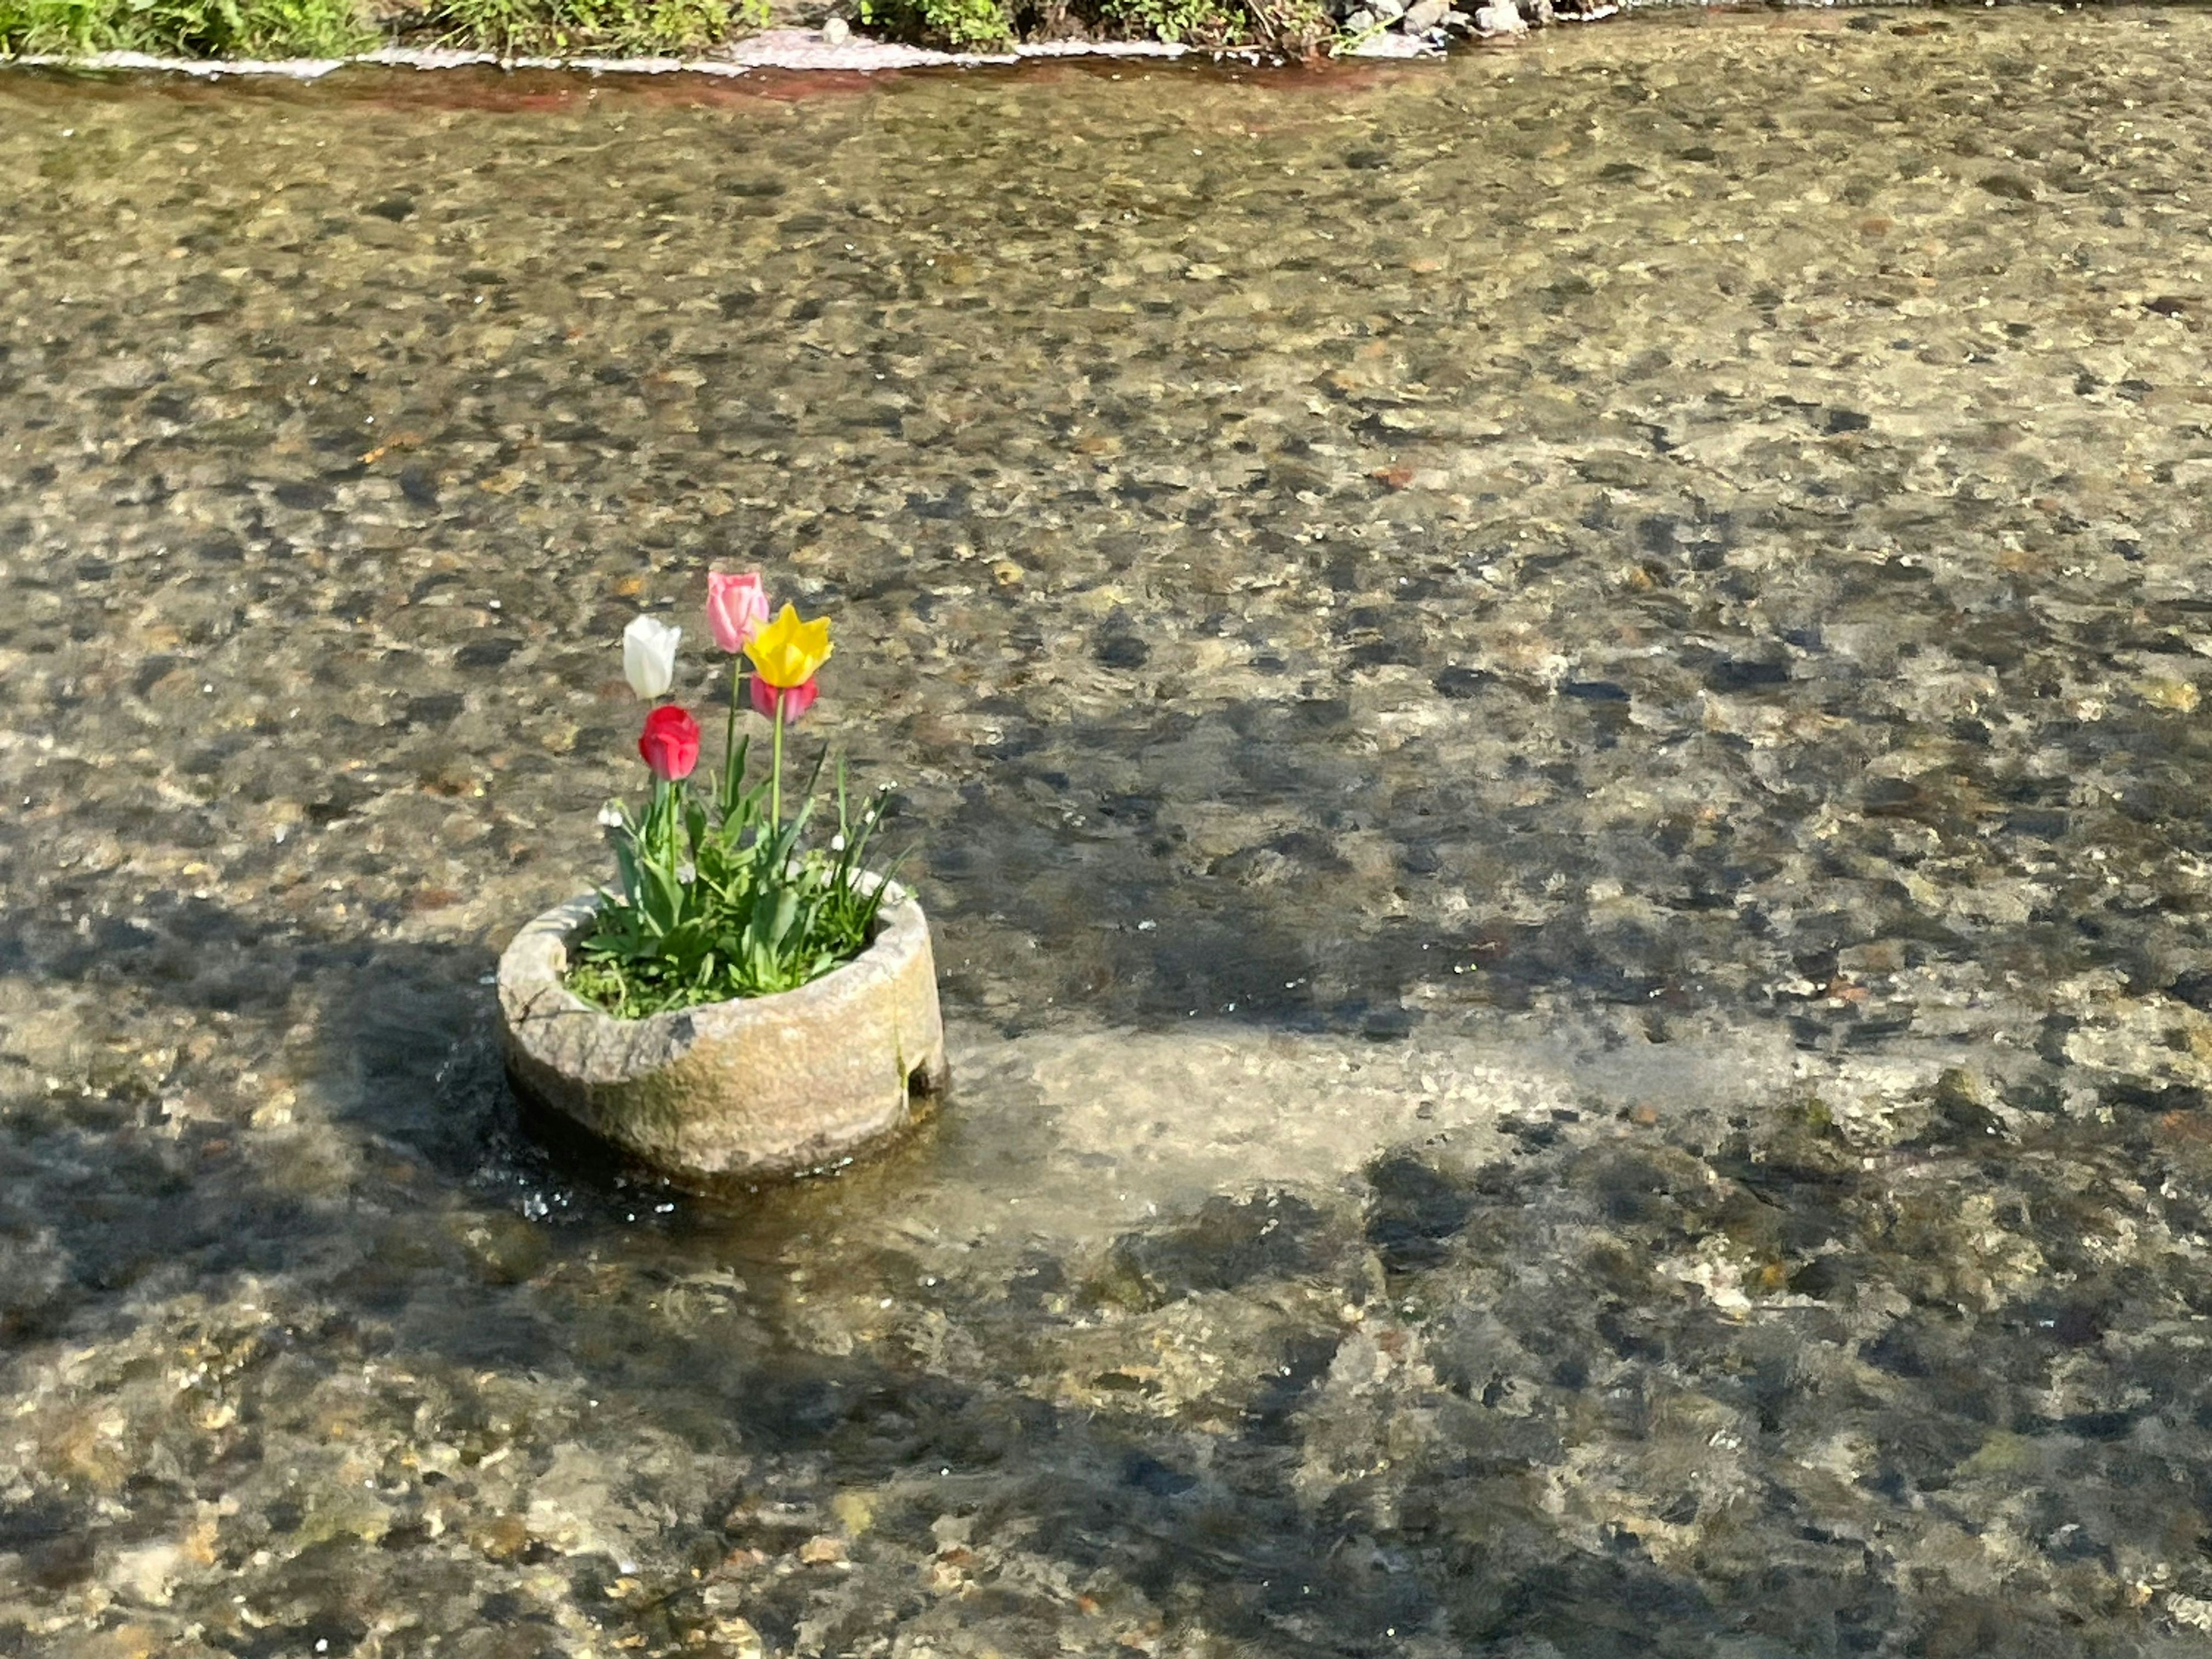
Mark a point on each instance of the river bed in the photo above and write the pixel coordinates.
(1550, 708)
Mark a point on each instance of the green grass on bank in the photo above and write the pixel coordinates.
(1296, 28)
(186, 28)
(565, 27)
(331, 29)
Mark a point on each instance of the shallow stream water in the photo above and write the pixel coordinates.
(1550, 705)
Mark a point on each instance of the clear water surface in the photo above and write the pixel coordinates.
(1552, 706)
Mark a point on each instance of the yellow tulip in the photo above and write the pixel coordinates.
(788, 652)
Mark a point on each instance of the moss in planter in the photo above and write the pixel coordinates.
(611, 972)
(186, 28)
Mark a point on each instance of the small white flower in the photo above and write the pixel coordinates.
(610, 817)
(649, 656)
(836, 843)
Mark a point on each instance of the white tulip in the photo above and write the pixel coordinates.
(649, 656)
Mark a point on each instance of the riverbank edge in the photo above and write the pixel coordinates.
(789, 50)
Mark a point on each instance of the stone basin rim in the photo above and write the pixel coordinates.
(536, 962)
(785, 1085)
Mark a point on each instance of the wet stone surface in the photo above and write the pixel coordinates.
(1552, 706)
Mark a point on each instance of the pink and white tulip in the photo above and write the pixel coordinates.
(736, 607)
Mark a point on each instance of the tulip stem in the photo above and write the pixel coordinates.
(775, 771)
(661, 833)
(730, 780)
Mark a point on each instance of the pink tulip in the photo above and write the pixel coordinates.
(796, 700)
(736, 607)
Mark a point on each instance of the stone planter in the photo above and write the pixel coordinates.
(772, 1085)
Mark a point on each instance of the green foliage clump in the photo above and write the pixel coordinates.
(185, 28)
(565, 27)
(335, 28)
(963, 25)
(1178, 23)
(722, 900)
(1295, 28)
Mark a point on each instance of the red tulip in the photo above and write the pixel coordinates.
(796, 699)
(670, 743)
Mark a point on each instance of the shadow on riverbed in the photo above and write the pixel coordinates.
(401, 1235)
(1521, 1403)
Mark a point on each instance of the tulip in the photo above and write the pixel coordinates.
(670, 743)
(737, 607)
(783, 702)
(787, 655)
(788, 652)
(649, 656)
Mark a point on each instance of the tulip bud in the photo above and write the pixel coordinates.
(649, 656)
(670, 743)
(793, 700)
(736, 607)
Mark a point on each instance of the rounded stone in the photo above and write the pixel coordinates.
(771, 1085)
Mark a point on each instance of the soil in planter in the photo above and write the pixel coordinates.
(633, 975)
